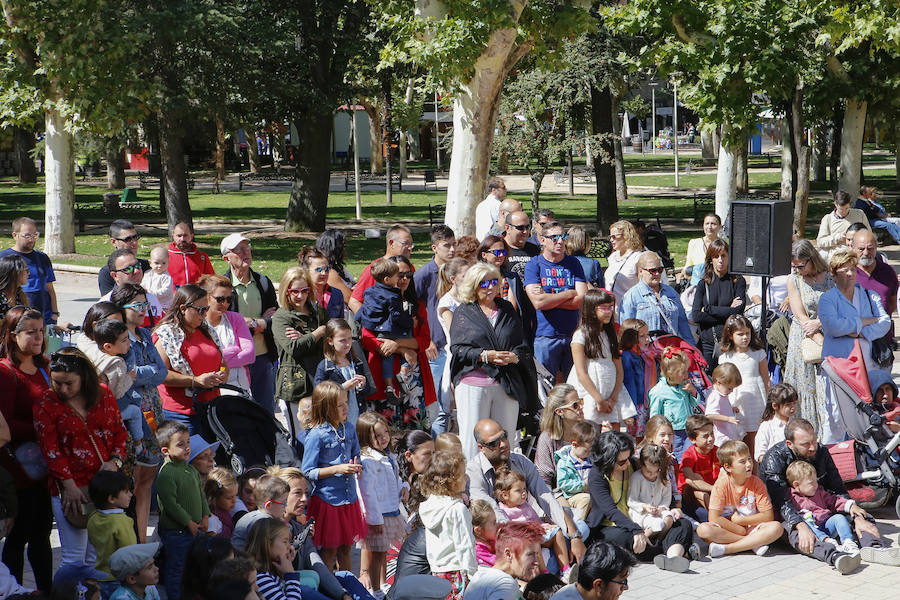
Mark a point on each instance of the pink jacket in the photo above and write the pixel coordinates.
(822, 504)
(243, 353)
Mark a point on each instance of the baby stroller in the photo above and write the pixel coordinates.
(697, 369)
(868, 463)
(248, 435)
(655, 239)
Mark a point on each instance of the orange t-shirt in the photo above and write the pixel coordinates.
(746, 500)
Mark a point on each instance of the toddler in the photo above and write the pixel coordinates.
(382, 313)
(674, 396)
(136, 571)
(109, 528)
(821, 509)
(781, 404)
(573, 463)
(659, 431)
(157, 280)
(221, 494)
(484, 526)
(639, 369)
(719, 406)
(448, 442)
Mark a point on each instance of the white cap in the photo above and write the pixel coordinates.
(231, 241)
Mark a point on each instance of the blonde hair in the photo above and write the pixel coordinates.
(551, 422)
(260, 538)
(447, 442)
(728, 374)
(841, 257)
(159, 249)
(447, 271)
(467, 291)
(218, 480)
(800, 470)
(672, 366)
(481, 511)
(323, 407)
(289, 277)
(441, 478)
(287, 473)
(631, 238)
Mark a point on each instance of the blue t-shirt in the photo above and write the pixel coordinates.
(555, 277)
(40, 273)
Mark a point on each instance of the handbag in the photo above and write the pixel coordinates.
(811, 350)
(883, 347)
(79, 519)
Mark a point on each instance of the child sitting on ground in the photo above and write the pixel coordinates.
(720, 407)
(512, 499)
(484, 525)
(136, 571)
(821, 509)
(109, 528)
(271, 495)
(203, 456)
(573, 463)
(699, 468)
(740, 511)
(382, 313)
(448, 442)
(157, 280)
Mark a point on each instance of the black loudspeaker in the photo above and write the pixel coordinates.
(760, 237)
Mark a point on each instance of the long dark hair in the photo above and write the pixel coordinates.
(410, 294)
(331, 328)
(593, 347)
(734, 323)
(716, 248)
(779, 395)
(334, 246)
(72, 360)
(186, 294)
(10, 267)
(13, 323)
(203, 555)
(606, 450)
(98, 312)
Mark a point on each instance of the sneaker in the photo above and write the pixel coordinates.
(377, 594)
(145, 458)
(676, 564)
(694, 552)
(761, 550)
(846, 563)
(572, 573)
(849, 546)
(716, 550)
(881, 556)
(566, 574)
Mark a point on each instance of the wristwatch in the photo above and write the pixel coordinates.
(116, 461)
(253, 325)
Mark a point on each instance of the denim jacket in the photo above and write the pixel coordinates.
(323, 448)
(148, 365)
(640, 303)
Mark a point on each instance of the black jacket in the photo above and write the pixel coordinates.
(412, 559)
(710, 313)
(471, 332)
(269, 300)
(772, 471)
(603, 507)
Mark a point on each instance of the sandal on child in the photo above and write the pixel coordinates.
(676, 564)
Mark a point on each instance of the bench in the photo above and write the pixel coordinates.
(146, 179)
(703, 204)
(277, 177)
(114, 205)
(374, 180)
(436, 214)
(582, 175)
(430, 178)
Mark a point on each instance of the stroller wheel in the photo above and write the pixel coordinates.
(237, 465)
(897, 506)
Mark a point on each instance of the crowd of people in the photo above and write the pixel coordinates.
(514, 339)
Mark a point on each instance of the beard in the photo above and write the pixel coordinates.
(865, 261)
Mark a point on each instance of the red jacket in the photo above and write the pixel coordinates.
(71, 444)
(187, 267)
(20, 394)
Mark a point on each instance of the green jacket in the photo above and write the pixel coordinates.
(297, 359)
(180, 495)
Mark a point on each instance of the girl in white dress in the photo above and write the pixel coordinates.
(780, 407)
(597, 372)
(741, 346)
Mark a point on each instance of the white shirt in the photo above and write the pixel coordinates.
(486, 214)
(769, 433)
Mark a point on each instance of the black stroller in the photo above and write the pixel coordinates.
(248, 435)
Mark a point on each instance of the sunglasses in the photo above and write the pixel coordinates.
(498, 252)
(129, 269)
(137, 306)
(494, 443)
(322, 269)
(559, 237)
(221, 299)
(131, 238)
(202, 310)
(655, 270)
(521, 227)
(405, 275)
(574, 406)
(297, 292)
(486, 283)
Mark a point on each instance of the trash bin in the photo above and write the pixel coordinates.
(110, 203)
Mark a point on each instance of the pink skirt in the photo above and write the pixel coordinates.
(336, 525)
(394, 531)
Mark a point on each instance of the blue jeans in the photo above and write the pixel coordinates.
(191, 421)
(262, 382)
(442, 422)
(890, 227)
(352, 586)
(555, 353)
(680, 442)
(133, 417)
(176, 543)
(837, 526)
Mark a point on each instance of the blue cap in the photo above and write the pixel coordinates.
(198, 445)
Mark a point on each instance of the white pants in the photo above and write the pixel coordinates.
(474, 403)
(76, 548)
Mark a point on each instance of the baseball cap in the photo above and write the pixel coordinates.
(128, 560)
(198, 445)
(231, 241)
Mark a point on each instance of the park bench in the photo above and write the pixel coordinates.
(703, 204)
(146, 180)
(115, 206)
(436, 214)
(430, 178)
(373, 180)
(582, 175)
(277, 177)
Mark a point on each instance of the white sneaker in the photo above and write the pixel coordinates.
(761, 550)
(716, 550)
(849, 546)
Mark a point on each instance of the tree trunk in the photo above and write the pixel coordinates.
(897, 165)
(604, 170)
(24, 140)
(618, 156)
(820, 154)
(787, 164)
(252, 151)
(174, 182)
(726, 190)
(115, 165)
(59, 197)
(376, 162)
(851, 146)
(220, 154)
(536, 179)
(837, 126)
(309, 194)
(403, 133)
(802, 152)
(741, 176)
(707, 146)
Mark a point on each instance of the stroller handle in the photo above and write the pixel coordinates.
(232, 388)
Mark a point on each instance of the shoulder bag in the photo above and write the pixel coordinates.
(883, 347)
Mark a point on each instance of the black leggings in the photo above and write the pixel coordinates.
(681, 532)
(32, 526)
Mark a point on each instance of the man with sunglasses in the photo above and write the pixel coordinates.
(488, 210)
(518, 249)
(507, 207)
(494, 454)
(124, 267)
(555, 285)
(122, 234)
(39, 289)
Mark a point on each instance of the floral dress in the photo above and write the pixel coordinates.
(806, 377)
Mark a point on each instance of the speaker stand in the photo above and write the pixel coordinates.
(762, 310)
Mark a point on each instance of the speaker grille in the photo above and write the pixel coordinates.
(760, 237)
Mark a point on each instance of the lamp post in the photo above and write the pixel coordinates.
(653, 85)
(675, 127)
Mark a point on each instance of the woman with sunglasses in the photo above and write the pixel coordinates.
(150, 371)
(654, 302)
(298, 327)
(622, 273)
(327, 296)
(491, 364)
(562, 411)
(23, 381)
(80, 430)
(231, 327)
(193, 356)
(493, 251)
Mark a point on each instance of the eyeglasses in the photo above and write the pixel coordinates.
(798, 267)
(487, 283)
(622, 582)
(30, 236)
(405, 275)
(129, 269)
(498, 251)
(131, 238)
(409, 245)
(654, 270)
(494, 443)
(322, 269)
(137, 306)
(202, 310)
(222, 299)
(558, 237)
(522, 228)
(297, 292)
(268, 502)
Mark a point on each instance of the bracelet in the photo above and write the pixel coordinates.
(484, 356)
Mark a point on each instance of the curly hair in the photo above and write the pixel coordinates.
(631, 238)
(442, 476)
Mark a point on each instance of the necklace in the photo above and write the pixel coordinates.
(342, 436)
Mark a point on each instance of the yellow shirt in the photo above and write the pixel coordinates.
(618, 491)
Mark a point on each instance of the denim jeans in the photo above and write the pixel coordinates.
(837, 526)
(262, 382)
(76, 548)
(680, 443)
(888, 225)
(441, 423)
(133, 417)
(175, 544)
(555, 353)
(192, 421)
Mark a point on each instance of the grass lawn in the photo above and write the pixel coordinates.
(882, 178)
